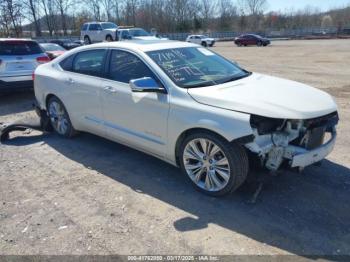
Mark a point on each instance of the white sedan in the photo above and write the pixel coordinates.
(188, 106)
(201, 40)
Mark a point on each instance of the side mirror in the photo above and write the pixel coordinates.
(146, 84)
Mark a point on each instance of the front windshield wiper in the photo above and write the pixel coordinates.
(203, 84)
(234, 78)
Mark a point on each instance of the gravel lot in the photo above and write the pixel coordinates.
(91, 196)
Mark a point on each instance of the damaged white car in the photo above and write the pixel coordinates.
(188, 106)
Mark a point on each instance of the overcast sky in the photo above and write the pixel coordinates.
(323, 5)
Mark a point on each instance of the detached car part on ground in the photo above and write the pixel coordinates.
(188, 106)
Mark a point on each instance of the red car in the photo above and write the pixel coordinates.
(251, 39)
(53, 50)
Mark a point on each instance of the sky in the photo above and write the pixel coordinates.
(323, 5)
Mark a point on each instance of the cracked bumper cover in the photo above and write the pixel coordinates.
(301, 157)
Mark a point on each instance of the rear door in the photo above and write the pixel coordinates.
(197, 40)
(81, 88)
(20, 58)
(92, 32)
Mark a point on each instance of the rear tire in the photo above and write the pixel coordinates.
(59, 118)
(215, 174)
(87, 40)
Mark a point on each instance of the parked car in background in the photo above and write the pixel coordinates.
(251, 39)
(135, 33)
(53, 50)
(201, 40)
(18, 60)
(79, 42)
(65, 43)
(94, 32)
(188, 106)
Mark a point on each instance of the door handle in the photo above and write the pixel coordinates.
(110, 89)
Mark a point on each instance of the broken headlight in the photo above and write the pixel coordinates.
(266, 125)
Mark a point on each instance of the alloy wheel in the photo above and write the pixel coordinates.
(58, 118)
(206, 164)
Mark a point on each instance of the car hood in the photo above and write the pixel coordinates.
(267, 96)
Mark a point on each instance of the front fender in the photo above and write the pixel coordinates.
(229, 124)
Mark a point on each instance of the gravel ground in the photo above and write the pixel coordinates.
(91, 196)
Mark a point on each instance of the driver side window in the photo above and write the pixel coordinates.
(125, 66)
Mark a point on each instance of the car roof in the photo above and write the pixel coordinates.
(141, 45)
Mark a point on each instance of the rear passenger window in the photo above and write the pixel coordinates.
(89, 62)
(94, 27)
(125, 67)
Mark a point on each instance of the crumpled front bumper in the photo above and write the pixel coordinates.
(301, 157)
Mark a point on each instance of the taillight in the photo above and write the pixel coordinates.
(42, 59)
(33, 76)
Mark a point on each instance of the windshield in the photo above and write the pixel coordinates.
(191, 67)
(138, 32)
(52, 47)
(108, 25)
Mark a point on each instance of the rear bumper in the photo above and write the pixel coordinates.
(301, 157)
(8, 84)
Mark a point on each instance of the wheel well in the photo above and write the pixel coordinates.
(188, 132)
(48, 97)
(109, 35)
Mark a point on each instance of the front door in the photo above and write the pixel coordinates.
(139, 119)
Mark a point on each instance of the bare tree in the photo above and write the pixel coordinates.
(255, 7)
(33, 8)
(207, 10)
(13, 15)
(48, 6)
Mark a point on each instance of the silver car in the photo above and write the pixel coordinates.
(188, 106)
(18, 60)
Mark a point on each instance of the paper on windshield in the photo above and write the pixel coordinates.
(205, 51)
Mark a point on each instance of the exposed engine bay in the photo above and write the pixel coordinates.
(299, 143)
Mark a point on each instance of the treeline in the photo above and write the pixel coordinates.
(64, 17)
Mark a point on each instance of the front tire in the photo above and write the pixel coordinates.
(213, 165)
(109, 38)
(59, 118)
(204, 44)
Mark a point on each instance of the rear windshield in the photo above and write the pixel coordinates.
(19, 48)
